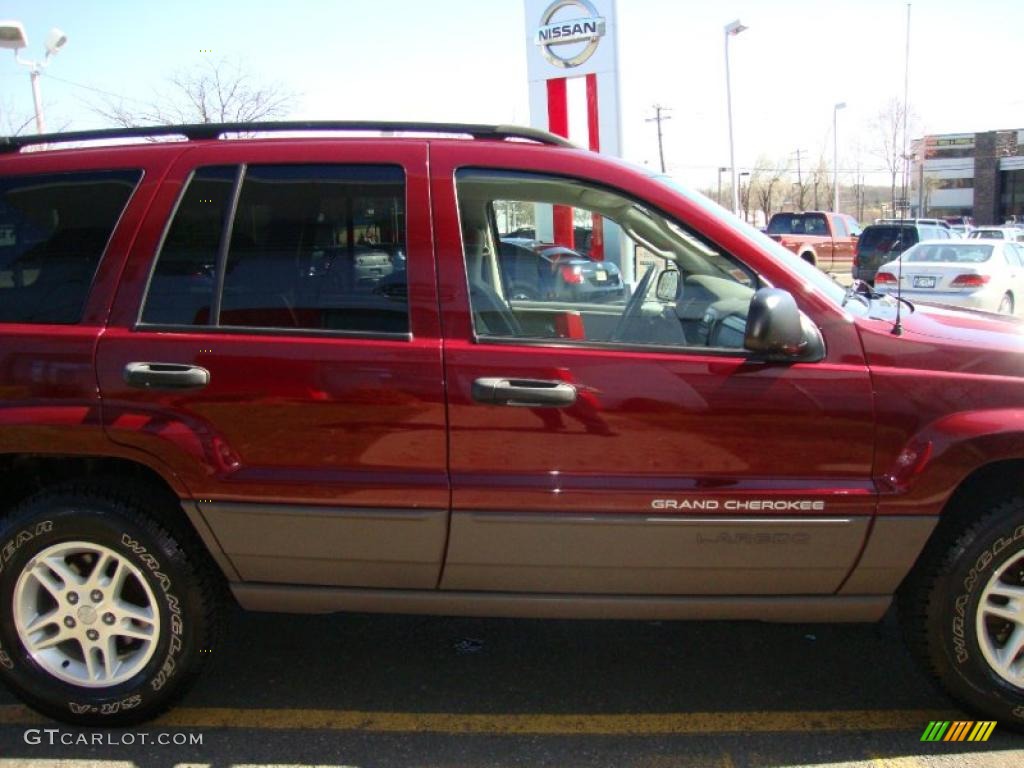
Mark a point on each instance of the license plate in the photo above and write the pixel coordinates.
(924, 282)
(600, 275)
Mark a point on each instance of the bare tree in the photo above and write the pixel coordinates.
(220, 91)
(769, 190)
(888, 128)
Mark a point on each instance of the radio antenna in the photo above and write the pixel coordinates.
(897, 329)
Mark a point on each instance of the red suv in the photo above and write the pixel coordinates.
(286, 371)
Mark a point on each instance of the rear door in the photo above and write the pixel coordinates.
(275, 343)
(607, 448)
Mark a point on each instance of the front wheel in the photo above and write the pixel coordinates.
(963, 612)
(106, 618)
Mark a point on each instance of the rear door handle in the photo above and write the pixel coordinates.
(530, 393)
(165, 376)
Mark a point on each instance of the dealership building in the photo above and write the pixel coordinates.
(969, 174)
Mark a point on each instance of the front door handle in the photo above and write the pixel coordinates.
(529, 393)
(165, 376)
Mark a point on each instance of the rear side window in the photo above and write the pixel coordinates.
(53, 231)
(183, 282)
(314, 247)
(886, 239)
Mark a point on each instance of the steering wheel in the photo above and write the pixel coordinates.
(636, 302)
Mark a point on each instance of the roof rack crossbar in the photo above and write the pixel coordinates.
(208, 131)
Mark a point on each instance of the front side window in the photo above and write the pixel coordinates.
(310, 247)
(53, 230)
(548, 285)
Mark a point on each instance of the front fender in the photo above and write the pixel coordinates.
(936, 460)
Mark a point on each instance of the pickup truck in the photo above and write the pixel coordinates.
(826, 240)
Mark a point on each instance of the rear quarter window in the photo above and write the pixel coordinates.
(53, 230)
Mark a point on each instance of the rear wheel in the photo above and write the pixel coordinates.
(107, 609)
(1006, 305)
(963, 611)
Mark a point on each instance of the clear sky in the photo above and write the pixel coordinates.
(464, 60)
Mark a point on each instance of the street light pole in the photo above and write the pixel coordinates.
(835, 154)
(37, 100)
(731, 29)
(12, 35)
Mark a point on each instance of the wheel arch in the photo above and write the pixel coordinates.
(24, 474)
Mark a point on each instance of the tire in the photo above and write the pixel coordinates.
(1006, 305)
(949, 611)
(810, 258)
(157, 579)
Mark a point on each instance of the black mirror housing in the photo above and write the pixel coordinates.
(778, 331)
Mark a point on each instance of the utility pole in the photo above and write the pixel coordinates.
(799, 180)
(658, 117)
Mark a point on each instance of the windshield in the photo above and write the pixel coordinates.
(798, 224)
(988, 234)
(949, 253)
(814, 279)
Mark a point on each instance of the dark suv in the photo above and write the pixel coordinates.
(884, 241)
(289, 372)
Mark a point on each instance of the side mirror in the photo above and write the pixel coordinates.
(667, 289)
(778, 331)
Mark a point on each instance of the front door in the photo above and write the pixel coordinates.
(277, 346)
(615, 443)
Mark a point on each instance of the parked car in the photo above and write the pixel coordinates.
(980, 274)
(194, 413)
(581, 243)
(882, 242)
(998, 233)
(533, 271)
(826, 240)
(962, 225)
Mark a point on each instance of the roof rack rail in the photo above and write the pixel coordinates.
(200, 131)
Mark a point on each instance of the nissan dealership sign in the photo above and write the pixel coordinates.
(566, 38)
(569, 42)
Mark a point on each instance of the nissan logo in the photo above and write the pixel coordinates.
(587, 30)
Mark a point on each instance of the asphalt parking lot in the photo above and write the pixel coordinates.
(428, 691)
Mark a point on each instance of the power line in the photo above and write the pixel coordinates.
(91, 88)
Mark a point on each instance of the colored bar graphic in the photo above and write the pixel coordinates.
(935, 731)
(958, 730)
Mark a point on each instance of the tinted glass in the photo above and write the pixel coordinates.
(689, 292)
(884, 238)
(798, 224)
(53, 231)
(318, 247)
(181, 289)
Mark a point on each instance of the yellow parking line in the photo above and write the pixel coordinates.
(550, 724)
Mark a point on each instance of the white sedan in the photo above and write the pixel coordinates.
(976, 273)
(1014, 234)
